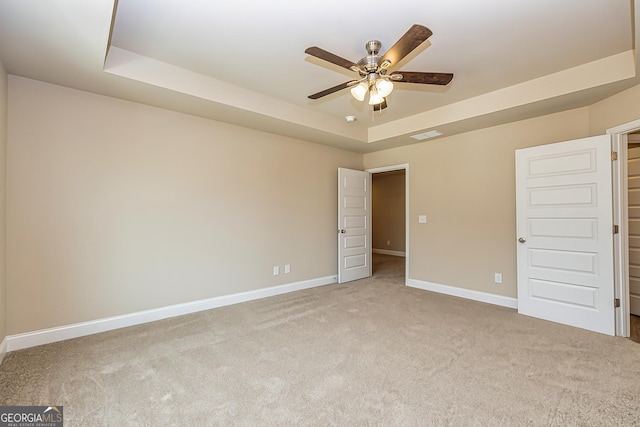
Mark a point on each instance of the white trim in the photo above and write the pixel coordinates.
(390, 168)
(388, 252)
(464, 293)
(46, 336)
(3, 349)
(625, 128)
(621, 240)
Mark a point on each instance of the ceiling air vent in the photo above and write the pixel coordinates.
(426, 135)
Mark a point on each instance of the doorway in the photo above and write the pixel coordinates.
(625, 137)
(390, 223)
(633, 232)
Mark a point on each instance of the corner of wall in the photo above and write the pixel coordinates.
(618, 109)
(3, 349)
(3, 172)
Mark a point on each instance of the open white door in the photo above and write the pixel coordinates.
(354, 225)
(565, 233)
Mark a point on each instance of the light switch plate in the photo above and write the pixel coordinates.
(276, 270)
(422, 219)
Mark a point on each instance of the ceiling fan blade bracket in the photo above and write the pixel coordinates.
(358, 69)
(355, 82)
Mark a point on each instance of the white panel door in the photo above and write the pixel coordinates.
(633, 155)
(565, 233)
(354, 225)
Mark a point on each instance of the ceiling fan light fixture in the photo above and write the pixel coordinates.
(374, 97)
(373, 70)
(359, 91)
(384, 87)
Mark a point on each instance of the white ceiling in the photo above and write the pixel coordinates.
(243, 61)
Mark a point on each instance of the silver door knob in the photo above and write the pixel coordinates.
(522, 240)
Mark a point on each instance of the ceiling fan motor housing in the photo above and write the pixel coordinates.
(371, 61)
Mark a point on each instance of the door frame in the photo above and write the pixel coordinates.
(405, 167)
(621, 218)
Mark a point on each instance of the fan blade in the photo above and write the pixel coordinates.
(332, 89)
(330, 57)
(413, 38)
(423, 78)
(380, 106)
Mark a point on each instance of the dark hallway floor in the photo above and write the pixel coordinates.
(635, 328)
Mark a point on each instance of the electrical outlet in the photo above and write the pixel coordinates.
(498, 278)
(388, 242)
(287, 268)
(276, 270)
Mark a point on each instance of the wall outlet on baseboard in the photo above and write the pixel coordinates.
(276, 270)
(498, 278)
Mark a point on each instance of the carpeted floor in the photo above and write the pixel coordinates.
(370, 352)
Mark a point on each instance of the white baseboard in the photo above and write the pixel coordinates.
(386, 252)
(46, 336)
(464, 293)
(3, 349)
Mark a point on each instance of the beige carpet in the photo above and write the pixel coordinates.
(371, 352)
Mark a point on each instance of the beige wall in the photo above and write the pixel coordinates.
(116, 207)
(3, 174)
(465, 185)
(388, 210)
(614, 111)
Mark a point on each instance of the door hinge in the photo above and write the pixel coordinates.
(616, 229)
(614, 155)
(616, 302)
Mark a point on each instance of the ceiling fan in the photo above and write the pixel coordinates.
(375, 79)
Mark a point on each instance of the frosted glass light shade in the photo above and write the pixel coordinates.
(359, 91)
(384, 87)
(374, 96)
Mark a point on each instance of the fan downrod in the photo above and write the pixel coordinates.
(370, 62)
